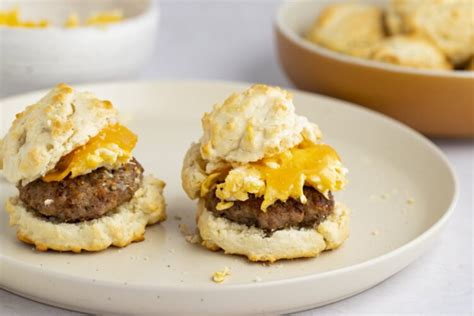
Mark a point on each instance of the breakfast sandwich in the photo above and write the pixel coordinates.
(80, 188)
(265, 180)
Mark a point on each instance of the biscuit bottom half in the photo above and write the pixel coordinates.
(291, 243)
(118, 228)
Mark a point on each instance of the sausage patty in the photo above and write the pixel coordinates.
(279, 215)
(85, 197)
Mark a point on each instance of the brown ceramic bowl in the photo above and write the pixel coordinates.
(436, 103)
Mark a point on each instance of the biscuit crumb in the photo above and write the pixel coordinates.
(410, 201)
(375, 232)
(192, 238)
(184, 229)
(220, 276)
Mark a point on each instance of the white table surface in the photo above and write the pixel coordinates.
(233, 40)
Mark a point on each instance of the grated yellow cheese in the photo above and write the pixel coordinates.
(11, 18)
(104, 18)
(72, 21)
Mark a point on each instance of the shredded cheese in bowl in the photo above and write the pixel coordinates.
(12, 18)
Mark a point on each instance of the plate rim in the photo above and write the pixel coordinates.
(435, 227)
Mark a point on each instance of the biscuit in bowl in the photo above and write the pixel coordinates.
(410, 51)
(448, 24)
(348, 28)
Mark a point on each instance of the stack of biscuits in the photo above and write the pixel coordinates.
(425, 34)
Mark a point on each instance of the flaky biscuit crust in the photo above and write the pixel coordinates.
(256, 123)
(348, 28)
(119, 229)
(410, 51)
(448, 24)
(220, 233)
(44, 132)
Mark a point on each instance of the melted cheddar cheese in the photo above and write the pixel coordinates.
(280, 177)
(111, 148)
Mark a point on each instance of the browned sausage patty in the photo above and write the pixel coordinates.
(279, 215)
(85, 197)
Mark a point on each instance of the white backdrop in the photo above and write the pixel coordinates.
(233, 40)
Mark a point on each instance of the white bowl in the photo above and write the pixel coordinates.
(38, 58)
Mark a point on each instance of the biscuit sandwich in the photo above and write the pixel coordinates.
(80, 188)
(264, 180)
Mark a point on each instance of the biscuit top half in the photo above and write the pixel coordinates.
(254, 124)
(66, 133)
(255, 145)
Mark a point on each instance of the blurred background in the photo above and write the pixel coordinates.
(406, 59)
(215, 40)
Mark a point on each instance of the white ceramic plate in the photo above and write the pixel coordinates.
(401, 191)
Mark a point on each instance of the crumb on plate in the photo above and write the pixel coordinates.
(220, 276)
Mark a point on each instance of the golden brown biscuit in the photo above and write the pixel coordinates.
(48, 130)
(120, 228)
(220, 233)
(448, 24)
(248, 126)
(348, 28)
(411, 52)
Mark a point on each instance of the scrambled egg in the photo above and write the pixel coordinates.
(11, 18)
(111, 148)
(280, 177)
